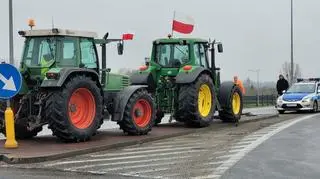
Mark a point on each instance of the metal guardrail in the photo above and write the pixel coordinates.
(264, 100)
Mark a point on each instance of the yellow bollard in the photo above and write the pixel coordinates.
(9, 120)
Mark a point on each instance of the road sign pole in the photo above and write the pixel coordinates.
(10, 134)
(11, 33)
(11, 81)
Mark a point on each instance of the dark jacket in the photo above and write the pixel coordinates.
(282, 84)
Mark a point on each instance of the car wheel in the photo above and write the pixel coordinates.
(315, 107)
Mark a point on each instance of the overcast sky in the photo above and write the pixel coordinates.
(255, 33)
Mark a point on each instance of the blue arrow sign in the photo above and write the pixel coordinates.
(10, 81)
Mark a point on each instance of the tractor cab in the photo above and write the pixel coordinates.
(59, 48)
(47, 52)
(170, 56)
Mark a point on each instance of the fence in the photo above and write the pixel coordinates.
(264, 100)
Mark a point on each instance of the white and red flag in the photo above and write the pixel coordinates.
(127, 36)
(182, 23)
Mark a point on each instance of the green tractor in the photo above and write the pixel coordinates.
(186, 84)
(65, 87)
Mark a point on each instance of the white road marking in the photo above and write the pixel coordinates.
(146, 171)
(127, 162)
(123, 158)
(164, 146)
(144, 152)
(142, 166)
(225, 156)
(219, 171)
(244, 143)
(176, 142)
(207, 176)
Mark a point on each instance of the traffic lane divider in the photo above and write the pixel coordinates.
(47, 148)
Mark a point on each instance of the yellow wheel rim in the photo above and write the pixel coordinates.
(236, 103)
(204, 100)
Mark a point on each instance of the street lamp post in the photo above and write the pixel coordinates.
(291, 18)
(10, 33)
(258, 84)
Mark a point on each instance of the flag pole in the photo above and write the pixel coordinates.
(174, 15)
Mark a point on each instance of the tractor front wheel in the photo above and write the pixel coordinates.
(197, 102)
(139, 114)
(74, 112)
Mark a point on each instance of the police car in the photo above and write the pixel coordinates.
(301, 96)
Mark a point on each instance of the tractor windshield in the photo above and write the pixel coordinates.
(172, 55)
(39, 51)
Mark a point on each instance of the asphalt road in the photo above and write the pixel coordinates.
(292, 153)
(199, 155)
(13, 173)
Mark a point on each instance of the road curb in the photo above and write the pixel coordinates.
(12, 159)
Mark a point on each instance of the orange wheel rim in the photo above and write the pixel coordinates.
(141, 113)
(82, 108)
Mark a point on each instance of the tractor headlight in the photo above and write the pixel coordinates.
(279, 100)
(51, 75)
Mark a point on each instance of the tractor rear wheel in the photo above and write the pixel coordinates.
(197, 102)
(74, 112)
(231, 102)
(21, 126)
(139, 114)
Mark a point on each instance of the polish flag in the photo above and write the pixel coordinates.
(182, 23)
(127, 36)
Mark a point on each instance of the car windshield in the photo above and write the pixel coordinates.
(39, 51)
(302, 88)
(172, 55)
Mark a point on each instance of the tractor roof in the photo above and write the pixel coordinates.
(177, 40)
(57, 32)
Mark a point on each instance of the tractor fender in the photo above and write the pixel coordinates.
(189, 77)
(121, 100)
(65, 73)
(143, 79)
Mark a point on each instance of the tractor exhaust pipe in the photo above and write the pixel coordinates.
(104, 59)
(213, 61)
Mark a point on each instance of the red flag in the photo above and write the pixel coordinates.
(127, 36)
(183, 24)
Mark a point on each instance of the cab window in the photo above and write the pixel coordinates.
(69, 52)
(87, 51)
(200, 55)
(172, 55)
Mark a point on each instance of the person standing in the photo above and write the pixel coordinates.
(239, 83)
(282, 84)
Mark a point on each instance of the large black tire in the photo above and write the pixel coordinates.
(315, 107)
(58, 109)
(226, 95)
(188, 107)
(139, 101)
(21, 127)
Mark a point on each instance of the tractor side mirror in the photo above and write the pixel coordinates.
(120, 48)
(220, 47)
(147, 61)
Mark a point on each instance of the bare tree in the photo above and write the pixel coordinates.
(286, 71)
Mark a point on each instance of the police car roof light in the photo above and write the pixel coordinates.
(308, 79)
